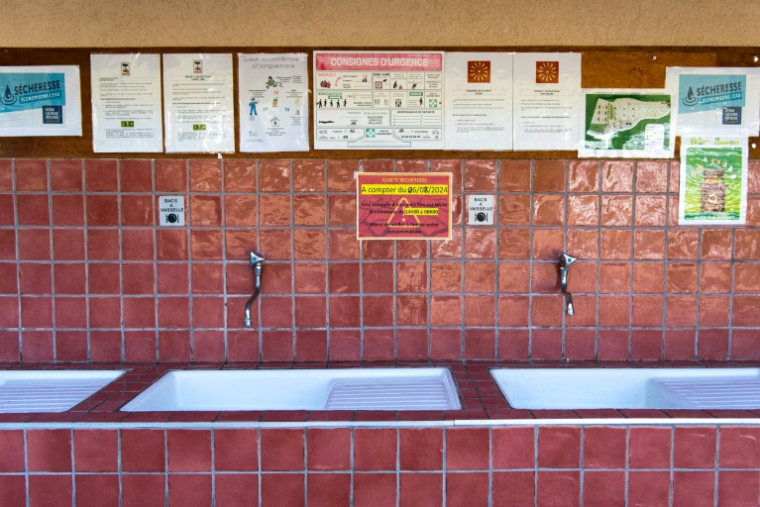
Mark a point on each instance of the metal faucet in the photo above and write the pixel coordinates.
(565, 260)
(257, 261)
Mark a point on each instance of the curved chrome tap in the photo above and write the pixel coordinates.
(257, 262)
(565, 260)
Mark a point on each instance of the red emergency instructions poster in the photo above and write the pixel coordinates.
(403, 206)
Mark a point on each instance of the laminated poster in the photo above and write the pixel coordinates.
(547, 89)
(40, 101)
(274, 102)
(716, 101)
(630, 123)
(126, 103)
(378, 100)
(478, 101)
(198, 104)
(713, 181)
(403, 206)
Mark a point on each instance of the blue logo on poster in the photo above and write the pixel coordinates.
(21, 92)
(700, 92)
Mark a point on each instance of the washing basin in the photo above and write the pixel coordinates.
(658, 388)
(50, 391)
(326, 389)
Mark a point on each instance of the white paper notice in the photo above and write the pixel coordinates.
(715, 101)
(40, 101)
(546, 95)
(378, 100)
(126, 103)
(274, 103)
(478, 101)
(198, 104)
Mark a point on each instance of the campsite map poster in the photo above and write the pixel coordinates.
(403, 206)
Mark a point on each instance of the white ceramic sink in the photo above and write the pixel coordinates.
(325, 389)
(50, 390)
(659, 388)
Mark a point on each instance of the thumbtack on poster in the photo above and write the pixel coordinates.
(480, 210)
(171, 211)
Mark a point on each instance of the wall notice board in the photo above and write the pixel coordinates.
(602, 67)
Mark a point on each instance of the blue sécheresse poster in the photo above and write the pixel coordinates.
(40, 101)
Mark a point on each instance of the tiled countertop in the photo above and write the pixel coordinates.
(479, 393)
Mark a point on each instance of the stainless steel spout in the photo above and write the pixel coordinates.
(257, 263)
(565, 261)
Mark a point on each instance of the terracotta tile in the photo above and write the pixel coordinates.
(282, 449)
(449, 166)
(65, 175)
(37, 345)
(102, 210)
(205, 210)
(7, 211)
(308, 210)
(377, 165)
(651, 176)
(410, 277)
(649, 244)
(411, 250)
(233, 490)
(311, 345)
(613, 345)
(545, 278)
(282, 489)
(584, 244)
(421, 490)
(546, 343)
(68, 210)
(748, 244)
(140, 346)
(646, 344)
(445, 344)
(694, 488)
(679, 344)
(648, 278)
(49, 490)
(48, 450)
(329, 449)
(190, 490)
(480, 175)
(105, 312)
(675, 176)
(753, 177)
(695, 447)
(71, 312)
(205, 175)
(171, 175)
(746, 311)
(329, 490)
(172, 244)
(549, 176)
(548, 210)
(308, 175)
(672, 211)
(647, 311)
(514, 176)
(6, 174)
(513, 489)
(33, 209)
(174, 312)
(744, 345)
(378, 311)
(513, 277)
(583, 210)
(559, 447)
(713, 344)
(310, 278)
(479, 311)
(513, 344)
(583, 175)
(96, 450)
(242, 346)
(35, 279)
(714, 311)
(340, 175)
(615, 244)
(739, 447)
(344, 278)
(208, 278)
(467, 489)
(343, 245)
(104, 278)
(617, 176)
(421, 449)
(467, 449)
(276, 244)
(737, 488)
(580, 344)
(136, 175)
(446, 311)
(617, 210)
(240, 210)
(649, 488)
(377, 277)
(681, 311)
(412, 311)
(341, 210)
(479, 277)
(207, 244)
(615, 277)
(105, 346)
(101, 175)
(31, 175)
(311, 312)
(173, 346)
(102, 244)
(173, 279)
(548, 244)
(514, 209)
(747, 278)
(276, 312)
(240, 175)
(450, 249)
(12, 460)
(683, 244)
(604, 488)
(650, 210)
(413, 344)
(208, 312)
(69, 278)
(137, 244)
(345, 345)
(682, 278)
(345, 311)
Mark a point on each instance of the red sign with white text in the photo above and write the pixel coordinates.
(403, 206)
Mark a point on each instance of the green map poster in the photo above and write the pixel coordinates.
(627, 123)
(713, 181)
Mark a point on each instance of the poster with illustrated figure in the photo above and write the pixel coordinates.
(545, 106)
(716, 101)
(478, 101)
(627, 123)
(40, 101)
(274, 103)
(126, 103)
(378, 100)
(713, 181)
(198, 104)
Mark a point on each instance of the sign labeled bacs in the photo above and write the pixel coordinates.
(480, 210)
(171, 210)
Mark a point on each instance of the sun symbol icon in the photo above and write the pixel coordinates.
(478, 72)
(547, 72)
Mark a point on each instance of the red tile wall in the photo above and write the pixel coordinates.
(341, 467)
(86, 275)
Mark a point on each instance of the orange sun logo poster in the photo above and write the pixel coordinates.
(547, 72)
(479, 72)
(403, 206)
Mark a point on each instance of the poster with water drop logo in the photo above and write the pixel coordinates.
(40, 101)
(716, 101)
(713, 181)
